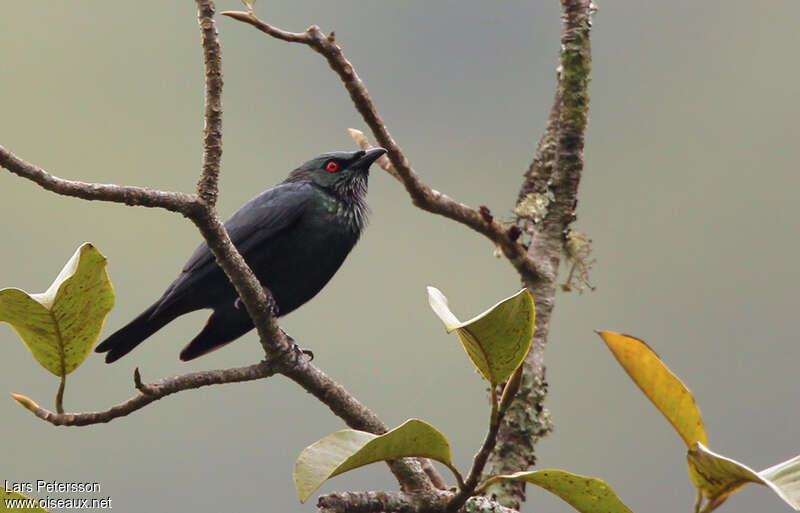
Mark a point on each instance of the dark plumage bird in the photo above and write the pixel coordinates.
(294, 237)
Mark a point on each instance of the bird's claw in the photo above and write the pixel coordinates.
(297, 350)
(300, 351)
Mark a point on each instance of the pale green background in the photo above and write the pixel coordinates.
(689, 194)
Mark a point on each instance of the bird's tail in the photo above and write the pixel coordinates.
(134, 333)
(224, 326)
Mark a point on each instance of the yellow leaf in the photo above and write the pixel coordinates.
(348, 449)
(498, 340)
(61, 325)
(659, 384)
(718, 477)
(586, 494)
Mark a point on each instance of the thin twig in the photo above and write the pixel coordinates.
(257, 300)
(422, 195)
(150, 392)
(129, 195)
(249, 17)
(479, 462)
(433, 474)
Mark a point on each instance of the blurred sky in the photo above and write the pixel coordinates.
(688, 193)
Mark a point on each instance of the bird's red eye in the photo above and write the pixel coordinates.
(332, 166)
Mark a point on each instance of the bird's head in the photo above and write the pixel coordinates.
(343, 173)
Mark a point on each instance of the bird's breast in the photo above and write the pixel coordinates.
(345, 215)
(301, 260)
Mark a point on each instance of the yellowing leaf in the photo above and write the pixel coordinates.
(586, 494)
(348, 449)
(718, 477)
(61, 325)
(13, 501)
(659, 384)
(498, 340)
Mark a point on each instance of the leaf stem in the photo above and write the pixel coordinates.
(459, 477)
(712, 503)
(60, 394)
(467, 489)
(494, 415)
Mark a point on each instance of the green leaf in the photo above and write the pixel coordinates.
(659, 384)
(8, 499)
(498, 340)
(718, 477)
(61, 325)
(348, 449)
(586, 494)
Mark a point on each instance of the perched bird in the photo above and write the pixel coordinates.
(294, 236)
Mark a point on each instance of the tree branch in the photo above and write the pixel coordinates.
(422, 195)
(207, 186)
(479, 504)
(556, 169)
(401, 502)
(370, 502)
(150, 392)
(129, 195)
(257, 301)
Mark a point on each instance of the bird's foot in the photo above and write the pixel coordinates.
(305, 352)
(297, 349)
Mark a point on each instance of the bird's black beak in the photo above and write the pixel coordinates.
(368, 158)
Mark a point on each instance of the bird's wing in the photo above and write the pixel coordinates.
(261, 218)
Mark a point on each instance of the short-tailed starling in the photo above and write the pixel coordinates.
(294, 236)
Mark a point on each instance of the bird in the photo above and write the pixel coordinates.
(294, 237)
